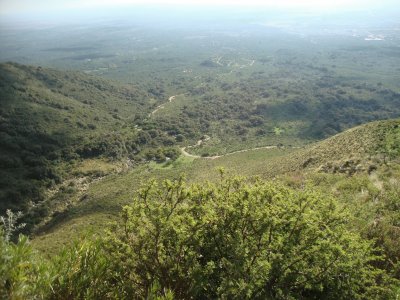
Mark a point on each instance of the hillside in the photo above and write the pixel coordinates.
(350, 180)
(355, 153)
(50, 120)
(200, 151)
(360, 149)
(76, 149)
(72, 144)
(54, 123)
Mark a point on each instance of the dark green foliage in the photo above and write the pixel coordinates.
(315, 109)
(49, 117)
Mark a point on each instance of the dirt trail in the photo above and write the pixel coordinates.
(199, 142)
(161, 106)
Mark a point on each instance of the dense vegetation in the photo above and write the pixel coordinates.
(242, 85)
(50, 119)
(262, 108)
(235, 239)
(53, 119)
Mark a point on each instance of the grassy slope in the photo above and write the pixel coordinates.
(102, 201)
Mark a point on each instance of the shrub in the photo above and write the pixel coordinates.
(239, 241)
(83, 273)
(23, 275)
(230, 240)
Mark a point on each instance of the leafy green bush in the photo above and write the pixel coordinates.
(230, 240)
(238, 240)
(83, 273)
(23, 274)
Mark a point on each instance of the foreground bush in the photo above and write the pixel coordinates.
(236, 240)
(23, 275)
(231, 240)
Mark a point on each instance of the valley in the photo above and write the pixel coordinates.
(236, 158)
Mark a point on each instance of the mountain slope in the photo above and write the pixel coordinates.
(50, 118)
(355, 150)
(61, 130)
(101, 202)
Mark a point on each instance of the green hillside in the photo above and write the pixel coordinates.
(361, 152)
(62, 130)
(77, 156)
(213, 150)
(51, 120)
(316, 222)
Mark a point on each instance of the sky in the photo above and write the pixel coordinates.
(35, 6)
(14, 12)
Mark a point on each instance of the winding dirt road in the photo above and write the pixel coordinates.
(199, 142)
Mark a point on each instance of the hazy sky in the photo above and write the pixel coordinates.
(22, 12)
(34, 6)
